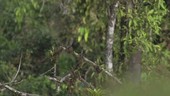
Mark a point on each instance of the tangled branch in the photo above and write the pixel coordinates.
(17, 91)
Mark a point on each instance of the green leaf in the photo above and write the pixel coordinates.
(86, 35)
(130, 23)
(79, 38)
(81, 30)
(151, 12)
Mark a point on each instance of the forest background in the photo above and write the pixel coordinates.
(84, 47)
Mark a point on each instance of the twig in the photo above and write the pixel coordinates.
(87, 83)
(54, 79)
(88, 70)
(17, 92)
(47, 71)
(55, 70)
(43, 3)
(65, 77)
(60, 80)
(19, 67)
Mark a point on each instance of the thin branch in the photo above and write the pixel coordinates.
(61, 80)
(95, 65)
(87, 83)
(19, 67)
(54, 79)
(65, 77)
(87, 72)
(47, 71)
(104, 70)
(16, 91)
(55, 69)
(43, 3)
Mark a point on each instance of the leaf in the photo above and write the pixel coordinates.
(151, 12)
(79, 38)
(81, 30)
(53, 86)
(135, 22)
(86, 35)
(130, 23)
(84, 20)
(35, 5)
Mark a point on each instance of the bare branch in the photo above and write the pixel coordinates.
(87, 72)
(47, 71)
(61, 80)
(95, 65)
(54, 79)
(65, 77)
(19, 67)
(16, 91)
(42, 6)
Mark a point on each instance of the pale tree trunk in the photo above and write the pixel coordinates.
(110, 36)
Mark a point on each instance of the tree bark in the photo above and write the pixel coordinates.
(135, 67)
(110, 36)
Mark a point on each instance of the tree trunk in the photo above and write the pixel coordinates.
(110, 36)
(135, 59)
(135, 67)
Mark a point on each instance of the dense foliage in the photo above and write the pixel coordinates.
(57, 47)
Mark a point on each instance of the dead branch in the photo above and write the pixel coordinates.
(65, 77)
(54, 79)
(61, 80)
(95, 65)
(16, 91)
(47, 71)
(19, 67)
